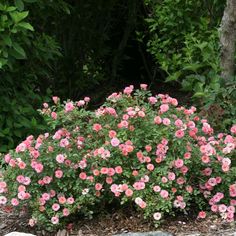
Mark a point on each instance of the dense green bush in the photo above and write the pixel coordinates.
(26, 57)
(184, 40)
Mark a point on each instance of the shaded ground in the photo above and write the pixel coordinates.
(124, 221)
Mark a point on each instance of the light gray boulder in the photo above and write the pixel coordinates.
(154, 233)
(18, 234)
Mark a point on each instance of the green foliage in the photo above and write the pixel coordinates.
(18, 117)
(26, 57)
(184, 41)
(14, 30)
(220, 105)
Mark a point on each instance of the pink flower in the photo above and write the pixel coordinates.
(179, 163)
(83, 175)
(98, 186)
(21, 147)
(115, 142)
(7, 158)
(64, 142)
(118, 169)
(104, 170)
(164, 108)
(38, 167)
(202, 214)
(143, 205)
(232, 190)
(187, 155)
(178, 123)
(164, 179)
(164, 194)
(166, 121)
(55, 99)
(47, 179)
(62, 200)
(32, 222)
(212, 181)
(70, 200)
(35, 154)
(128, 192)
(87, 99)
(65, 212)
(143, 86)
(150, 167)
(55, 220)
(55, 207)
(233, 129)
(69, 107)
(222, 208)
(60, 158)
(128, 90)
(179, 133)
(171, 176)
(58, 174)
(205, 159)
(141, 114)
(20, 178)
(3, 200)
(54, 115)
(156, 188)
(174, 102)
(14, 202)
(152, 100)
(214, 208)
(157, 216)
(46, 196)
(180, 180)
(80, 103)
(97, 127)
(138, 200)
(112, 133)
(111, 171)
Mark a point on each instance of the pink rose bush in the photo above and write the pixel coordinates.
(136, 148)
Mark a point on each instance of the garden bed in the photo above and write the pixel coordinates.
(124, 221)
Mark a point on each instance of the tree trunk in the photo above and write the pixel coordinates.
(228, 39)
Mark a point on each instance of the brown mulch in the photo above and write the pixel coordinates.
(123, 221)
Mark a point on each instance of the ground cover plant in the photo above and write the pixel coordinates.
(137, 148)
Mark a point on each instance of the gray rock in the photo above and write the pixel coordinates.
(18, 234)
(154, 233)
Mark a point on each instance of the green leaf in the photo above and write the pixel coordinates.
(173, 77)
(18, 16)
(6, 131)
(198, 95)
(26, 25)
(7, 40)
(3, 148)
(11, 8)
(193, 67)
(19, 4)
(34, 122)
(19, 49)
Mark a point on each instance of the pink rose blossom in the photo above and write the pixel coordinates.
(115, 142)
(55, 220)
(56, 207)
(157, 216)
(69, 107)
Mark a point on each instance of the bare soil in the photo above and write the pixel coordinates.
(124, 221)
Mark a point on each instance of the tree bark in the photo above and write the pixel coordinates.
(228, 39)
